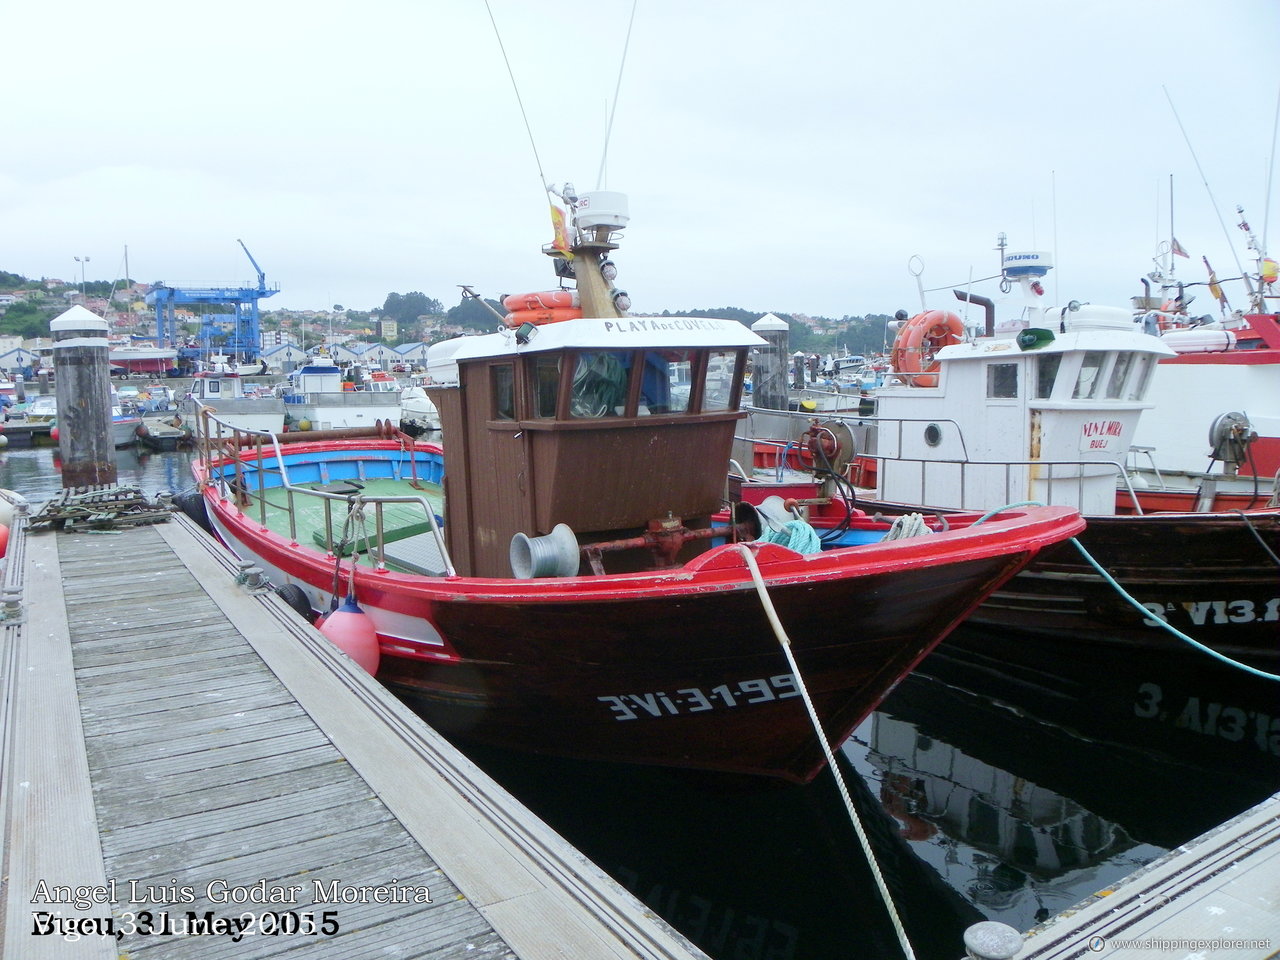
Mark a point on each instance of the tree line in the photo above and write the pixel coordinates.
(848, 335)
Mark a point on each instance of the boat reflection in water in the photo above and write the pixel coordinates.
(991, 789)
(743, 867)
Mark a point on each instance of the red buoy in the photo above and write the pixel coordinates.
(353, 633)
(4, 539)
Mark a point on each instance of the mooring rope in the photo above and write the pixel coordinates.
(1257, 536)
(785, 642)
(1137, 605)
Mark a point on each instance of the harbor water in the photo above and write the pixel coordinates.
(1007, 779)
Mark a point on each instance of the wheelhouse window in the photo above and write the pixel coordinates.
(503, 379)
(1002, 380)
(666, 384)
(1142, 377)
(599, 386)
(722, 371)
(1119, 373)
(1090, 375)
(546, 384)
(1047, 365)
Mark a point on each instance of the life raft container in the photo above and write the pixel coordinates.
(918, 340)
(546, 306)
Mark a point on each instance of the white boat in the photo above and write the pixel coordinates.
(417, 413)
(1044, 407)
(140, 359)
(316, 398)
(124, 424)
(223, 394)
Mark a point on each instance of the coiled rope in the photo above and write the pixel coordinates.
(785, 642)
(1133, 602)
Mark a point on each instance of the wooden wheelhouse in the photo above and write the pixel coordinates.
(611, 433)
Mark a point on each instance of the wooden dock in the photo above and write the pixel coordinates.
(182, 754)
(1218, 893)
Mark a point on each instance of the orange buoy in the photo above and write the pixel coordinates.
(544, 300)
(917, 342)
(353, 633)
(539, 317)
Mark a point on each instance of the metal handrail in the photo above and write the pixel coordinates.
(231, 448)
(963, 461)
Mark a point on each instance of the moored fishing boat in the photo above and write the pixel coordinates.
(1215, 425)
(1043, 407)
(575, 597)
(316, 397)
(223, 393)
(124, 423)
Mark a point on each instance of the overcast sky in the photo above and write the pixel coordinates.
(788, 157)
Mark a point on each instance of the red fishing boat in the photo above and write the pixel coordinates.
(562, 587)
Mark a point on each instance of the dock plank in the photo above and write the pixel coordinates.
(222, 743)
(1222, 886)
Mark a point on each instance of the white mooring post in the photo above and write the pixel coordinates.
(84, 399)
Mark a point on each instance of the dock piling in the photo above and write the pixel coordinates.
(84, 399)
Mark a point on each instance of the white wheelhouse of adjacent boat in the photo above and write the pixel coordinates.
(1043, 408)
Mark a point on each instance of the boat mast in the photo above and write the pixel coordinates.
(597, 217)
(1256, 297)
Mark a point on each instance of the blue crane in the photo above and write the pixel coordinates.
(236, 334)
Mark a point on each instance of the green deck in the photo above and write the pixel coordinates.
(330, 530)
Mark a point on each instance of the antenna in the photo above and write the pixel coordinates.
(604, 155)
(516, 87)
(1053, 222)
(1204, 180)
(1266, 216)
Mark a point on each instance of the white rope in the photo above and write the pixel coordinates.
(767, 602)
(907, 525)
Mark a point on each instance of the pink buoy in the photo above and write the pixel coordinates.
(353, 633)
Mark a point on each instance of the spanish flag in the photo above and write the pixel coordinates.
(561, 230)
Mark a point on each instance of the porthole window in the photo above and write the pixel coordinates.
(933, 434)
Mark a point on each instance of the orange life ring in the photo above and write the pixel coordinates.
(917, 342)
(544, 300)
(552, 315)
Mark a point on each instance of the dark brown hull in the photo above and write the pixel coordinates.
(1208, 575)
(659, 689)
